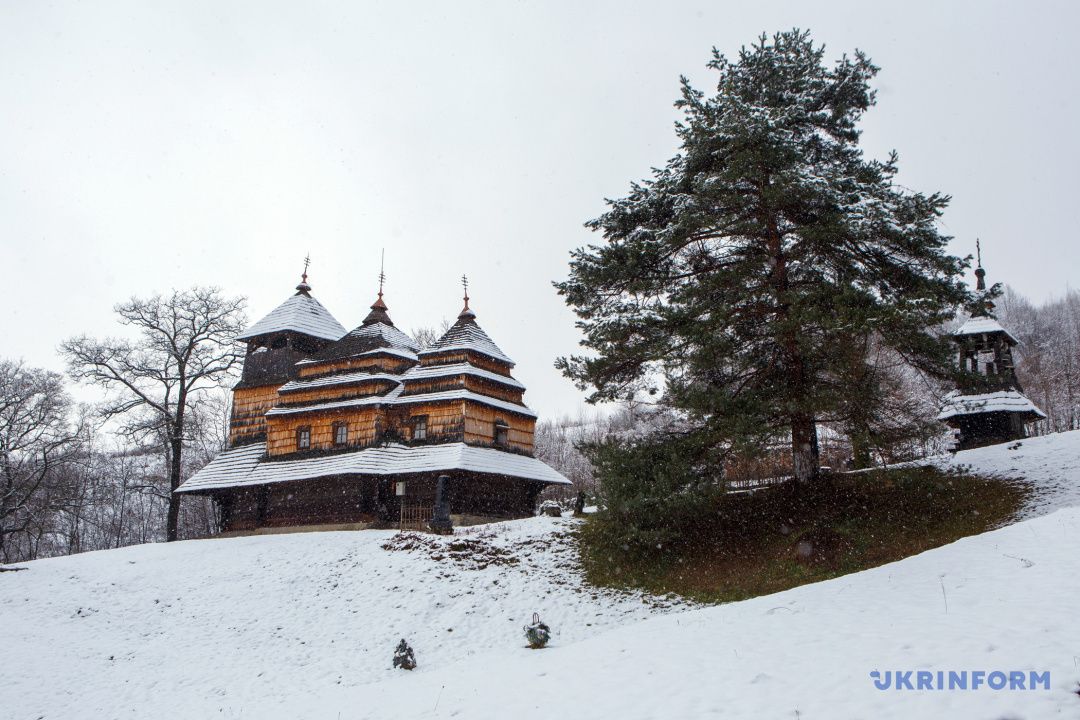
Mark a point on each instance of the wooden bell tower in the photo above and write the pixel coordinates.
(988, 406)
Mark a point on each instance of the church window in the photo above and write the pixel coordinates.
(303, 438)
(419, 427)
(341, 433)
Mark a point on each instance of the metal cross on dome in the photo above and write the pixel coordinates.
(307, 262)
(382, 275)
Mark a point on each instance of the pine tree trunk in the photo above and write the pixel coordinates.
(804, 445)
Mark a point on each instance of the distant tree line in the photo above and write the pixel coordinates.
(1048, 365)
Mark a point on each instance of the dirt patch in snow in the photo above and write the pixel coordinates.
(465, 552)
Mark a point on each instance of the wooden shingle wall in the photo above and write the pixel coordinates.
(281, 435)
(387, 363)
(337, 392)
(480, 427)
(475, 359)
(250, 404)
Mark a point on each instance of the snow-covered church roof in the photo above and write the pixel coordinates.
(376, 333)
(300, 313)
(957, 403)
(465, 334)
(247, 465)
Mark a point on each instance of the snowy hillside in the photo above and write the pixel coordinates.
(304, 626)
(1051, 463)
(244, 623)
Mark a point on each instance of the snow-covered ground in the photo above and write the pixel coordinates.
(1051, 464)
(304, 626)
(232, 627)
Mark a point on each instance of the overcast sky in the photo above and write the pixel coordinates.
(145, 146)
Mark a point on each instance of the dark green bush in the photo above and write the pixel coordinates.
(652, 490)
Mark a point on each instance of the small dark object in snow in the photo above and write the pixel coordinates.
(579, 504)
(537, 633)
(404, 657)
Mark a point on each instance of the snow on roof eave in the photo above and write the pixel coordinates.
(341, 379)
(1033, 412)
(394, 397)
(246, 465)
(469, 348)
(434, 372)
(956, 404)
(983, 326)
(408, 355)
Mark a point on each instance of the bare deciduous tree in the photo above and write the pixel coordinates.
(186, 347)
(428, 335)
(37, 438)
(1048, 357)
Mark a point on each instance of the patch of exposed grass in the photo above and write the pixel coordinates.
(750, 544)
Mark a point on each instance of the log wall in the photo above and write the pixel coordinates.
(458, 382)
(445, 420)
(353, 499)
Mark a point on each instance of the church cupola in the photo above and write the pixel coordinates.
(467, 340)
(380, 313)
(376, 335)
(988, 406)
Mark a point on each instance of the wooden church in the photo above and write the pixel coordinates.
(352, 429)
(989, 406)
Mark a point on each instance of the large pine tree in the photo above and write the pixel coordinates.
(736, 274)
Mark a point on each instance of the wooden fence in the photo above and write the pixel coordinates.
(416, 516)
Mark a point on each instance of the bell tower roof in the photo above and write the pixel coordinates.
(301, 313)
(984, 325)
(982, 321)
